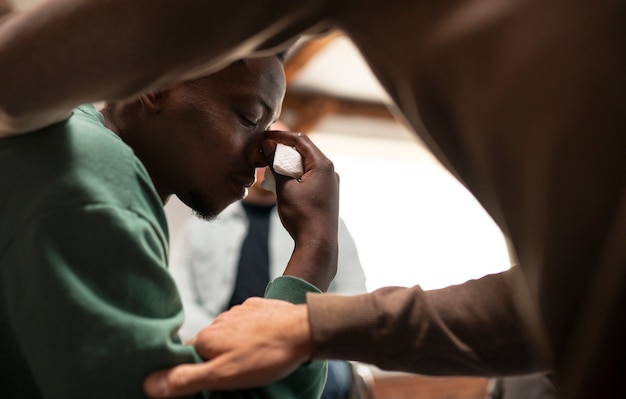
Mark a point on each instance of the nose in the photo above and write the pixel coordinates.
(255, 153)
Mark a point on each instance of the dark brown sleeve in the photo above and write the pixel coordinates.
(467, 329)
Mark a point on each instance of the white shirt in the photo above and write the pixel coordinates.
(204, 264)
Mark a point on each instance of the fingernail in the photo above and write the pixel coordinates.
(157, 387)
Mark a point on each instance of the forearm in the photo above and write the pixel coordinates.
(83, 51)
(309, 210)
(315, 262)
(469, 329)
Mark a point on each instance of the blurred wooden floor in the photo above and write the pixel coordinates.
(418, 387)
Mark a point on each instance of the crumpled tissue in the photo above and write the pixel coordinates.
(287, 162)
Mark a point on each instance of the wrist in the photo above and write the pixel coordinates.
(315, 262)
(303, 336)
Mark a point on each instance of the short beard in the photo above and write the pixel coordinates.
(201, 206)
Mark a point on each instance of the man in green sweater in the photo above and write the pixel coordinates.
(88, 308)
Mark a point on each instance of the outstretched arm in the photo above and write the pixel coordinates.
(395, 328)
(81, 51)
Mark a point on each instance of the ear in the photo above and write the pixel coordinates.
(151, 102)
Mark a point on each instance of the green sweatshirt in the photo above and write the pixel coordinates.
(88, 308)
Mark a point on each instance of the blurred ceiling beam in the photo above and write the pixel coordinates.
(308, 108)
(306, 51)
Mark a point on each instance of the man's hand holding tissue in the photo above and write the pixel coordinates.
(264, 340)
(308, 207)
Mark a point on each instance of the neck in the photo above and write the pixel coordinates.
(110, 119)
(113, 121)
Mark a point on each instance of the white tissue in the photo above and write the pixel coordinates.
(287, 162)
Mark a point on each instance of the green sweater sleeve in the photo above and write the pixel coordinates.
(307, 381)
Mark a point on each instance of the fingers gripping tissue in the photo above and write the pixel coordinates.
(287, 162)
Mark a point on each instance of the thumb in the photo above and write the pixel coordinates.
(180, 380)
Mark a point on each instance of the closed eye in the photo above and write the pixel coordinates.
(248, 122)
